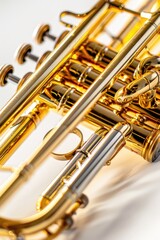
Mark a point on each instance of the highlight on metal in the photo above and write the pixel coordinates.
(115, 88)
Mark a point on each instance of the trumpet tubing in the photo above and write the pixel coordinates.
(113, 87)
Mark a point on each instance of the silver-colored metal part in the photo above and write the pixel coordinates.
(103, 153)
(80, 156)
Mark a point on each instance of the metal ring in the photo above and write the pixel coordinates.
(64, 99)
(68, 155)
(84, 74)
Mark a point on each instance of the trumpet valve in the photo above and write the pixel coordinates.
(6, 75)
(23, 52)
(5, 72)
(41, 32)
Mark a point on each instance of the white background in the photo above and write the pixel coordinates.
(124, 198)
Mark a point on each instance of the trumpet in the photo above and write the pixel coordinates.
(113, 88)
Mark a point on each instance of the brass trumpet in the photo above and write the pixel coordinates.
(113, 88)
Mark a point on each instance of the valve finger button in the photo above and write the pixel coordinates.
(23, 52)
(41, 32)
(5, 72)
(6, 75)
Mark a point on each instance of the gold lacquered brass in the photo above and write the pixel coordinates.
(114, 89)
(20, 130)
(55, 61)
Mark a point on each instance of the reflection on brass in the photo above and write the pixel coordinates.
(117, 93)
(23, 80)
(60, 38)
(144, 123)
(42, 58)
(20, 130)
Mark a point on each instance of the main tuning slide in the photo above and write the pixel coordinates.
(97, 73)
